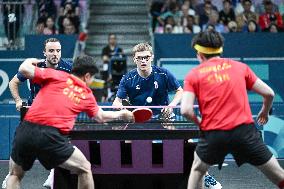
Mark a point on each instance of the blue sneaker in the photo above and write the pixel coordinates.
(211, 183)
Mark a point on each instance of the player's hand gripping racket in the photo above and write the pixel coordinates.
(141, 115)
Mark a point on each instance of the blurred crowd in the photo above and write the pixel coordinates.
(51, 17)
(193, 16)
(58, 20)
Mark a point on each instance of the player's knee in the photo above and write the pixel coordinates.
(17, 174)
(197, 165)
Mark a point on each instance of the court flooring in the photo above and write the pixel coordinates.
(231, 177)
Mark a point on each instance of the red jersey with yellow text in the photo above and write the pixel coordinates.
(61, 98)
(220, 86)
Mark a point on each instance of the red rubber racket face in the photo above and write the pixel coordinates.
(142, 114)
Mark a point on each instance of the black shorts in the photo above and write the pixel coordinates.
(45, 143)
(243, 142)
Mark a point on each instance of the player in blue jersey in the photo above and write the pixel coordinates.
(149, 85)
(52, 53)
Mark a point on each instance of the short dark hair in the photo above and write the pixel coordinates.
(84, 64)
(212, 39)
(50, 40)
(247, 1)
(111, 34)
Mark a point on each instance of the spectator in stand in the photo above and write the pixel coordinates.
(12, 18)
(186, 11)
(173, 11)
(39, 27)
(260, 8)
(213, 20)
(108, 52)
(156, 10)
(50, 28)
(273, 28)
(63, 23)
(191, 27)
(251, 27)
(75, 6)
(202, 8)
(46, 8)
(171, 26)
(70, 14)
(204, 14)
(70, 29)
(270, 17)
(191, 11)
(112, 49)
(247, 14)
(227, 14)
(239, 8)
(168, 28)
(232, 26)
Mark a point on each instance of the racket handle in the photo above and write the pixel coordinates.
(271, 111)
(23, 110)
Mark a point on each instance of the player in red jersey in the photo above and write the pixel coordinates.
(42, 134)
(220, 86)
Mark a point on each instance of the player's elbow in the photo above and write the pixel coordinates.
(24, 70)
(12, 83)
(269, 94)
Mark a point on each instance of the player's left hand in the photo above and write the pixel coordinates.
(262, 118)
(166, 113)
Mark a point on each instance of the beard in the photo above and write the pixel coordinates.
(53, 61)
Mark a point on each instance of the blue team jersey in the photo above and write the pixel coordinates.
(62, 65)
(157, 86)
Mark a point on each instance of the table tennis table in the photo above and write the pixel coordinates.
(137, 156)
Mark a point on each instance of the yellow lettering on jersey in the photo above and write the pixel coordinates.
(73, 92)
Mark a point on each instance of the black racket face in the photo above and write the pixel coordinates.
(126, 102)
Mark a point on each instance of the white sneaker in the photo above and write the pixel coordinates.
(211, 183)
(49, 181)
(4, 183)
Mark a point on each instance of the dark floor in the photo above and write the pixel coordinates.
(231, 177)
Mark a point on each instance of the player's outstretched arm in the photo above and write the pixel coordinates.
(187, 104)
(105, 116)
(268, 94)
(27, 68)
(14, 89)
(177, 98)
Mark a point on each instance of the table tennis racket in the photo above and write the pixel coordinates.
(142, 114)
